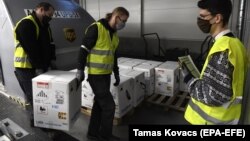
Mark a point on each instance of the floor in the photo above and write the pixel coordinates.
(143, 114)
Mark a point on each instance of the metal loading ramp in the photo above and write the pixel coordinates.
(17, 113)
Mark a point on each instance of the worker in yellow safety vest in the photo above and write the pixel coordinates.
(34, 49)
(98, 53)
(216, 97)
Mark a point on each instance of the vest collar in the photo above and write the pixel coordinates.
(105, 23)
(222, 33)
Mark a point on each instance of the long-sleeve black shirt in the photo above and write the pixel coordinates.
(40, 50)
(89, 42)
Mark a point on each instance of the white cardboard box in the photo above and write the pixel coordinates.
(139, 85)
(139, 61)
(149, 74)
(167, 78)
(153, 63)
(123, 59)
(56, 100)
(87, 98)
(123, 95)
(87, 93)
(128, 65)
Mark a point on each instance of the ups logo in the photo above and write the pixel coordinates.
(69, 34)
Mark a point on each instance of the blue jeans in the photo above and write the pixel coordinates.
(103, 110)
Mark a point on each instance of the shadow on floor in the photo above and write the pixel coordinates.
(62, 136)
(143, 114)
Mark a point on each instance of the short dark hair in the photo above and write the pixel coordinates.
(223, 7)
(45, 5)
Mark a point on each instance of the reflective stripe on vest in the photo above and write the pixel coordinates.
(102, 66)
(102, 52)
(20, 57)
(229, 113)
(208, 117)
(101, 58)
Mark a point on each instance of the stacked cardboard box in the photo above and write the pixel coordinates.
(167, 78)
(138, 86)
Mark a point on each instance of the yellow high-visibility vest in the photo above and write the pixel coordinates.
(101, 58)
(199, 113)
(20, 56)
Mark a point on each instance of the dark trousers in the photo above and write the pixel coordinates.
(102, 115)
(24, 77)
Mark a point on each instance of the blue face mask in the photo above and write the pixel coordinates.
(120, 26)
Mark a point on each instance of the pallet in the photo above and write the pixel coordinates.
(116, 121)
(86, 111)
(177, 102)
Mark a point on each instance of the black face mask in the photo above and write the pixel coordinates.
(46, 19)
(204, 25)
